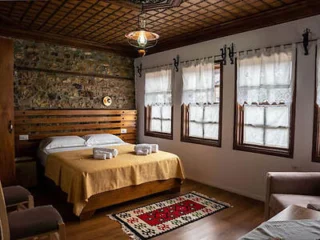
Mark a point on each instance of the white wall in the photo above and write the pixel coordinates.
(238, 171)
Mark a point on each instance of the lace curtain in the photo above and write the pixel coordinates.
(158, 87)
(158, 95)
(199, 93)
(266, 76)
(318, 72)
(198, 82)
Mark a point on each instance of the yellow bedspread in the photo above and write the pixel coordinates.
(81, 176)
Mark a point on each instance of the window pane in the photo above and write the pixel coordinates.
(277, 138)
(211, 131)
(155, 112)
(196, 113)
(277, 116)
(211, 113)
(166, 126)
(166, 112)
(253, 115)
(155, 125)
(253, 135)
(195, 130)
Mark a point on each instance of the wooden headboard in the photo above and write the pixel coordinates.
(40, 124)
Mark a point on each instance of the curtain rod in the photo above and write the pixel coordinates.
(159, 66)
(196, 59)
(287, 44)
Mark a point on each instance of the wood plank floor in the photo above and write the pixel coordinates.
(228, 224)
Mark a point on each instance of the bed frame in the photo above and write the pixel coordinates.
(40, 124)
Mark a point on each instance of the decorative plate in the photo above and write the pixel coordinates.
(107, 101)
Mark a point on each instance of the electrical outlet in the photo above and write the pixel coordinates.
(123, 130)
(23, 137)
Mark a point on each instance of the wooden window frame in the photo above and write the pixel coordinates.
(147, 123)
(185, 120)
(239, 126)
(316, 119)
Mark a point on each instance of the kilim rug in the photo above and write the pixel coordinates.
(161, 217)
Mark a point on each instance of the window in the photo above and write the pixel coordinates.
(265, 101)
(316, 122)
(158, 103)
(201, 110)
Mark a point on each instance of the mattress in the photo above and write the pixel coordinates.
(44, 153)
(81, 176)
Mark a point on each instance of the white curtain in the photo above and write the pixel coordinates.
(158, 87)
(198, 82)
(266, 75)
(199, 93)
(318, 72)
(158, 96)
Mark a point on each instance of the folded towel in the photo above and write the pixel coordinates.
(102, 156)
(113, 151)
(142, 152)
(152, 147)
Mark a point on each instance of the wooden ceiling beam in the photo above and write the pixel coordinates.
(268, 18)
(9, 30)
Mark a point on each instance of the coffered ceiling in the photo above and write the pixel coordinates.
(103, 24)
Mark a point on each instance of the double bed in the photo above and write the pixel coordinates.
(92, 184)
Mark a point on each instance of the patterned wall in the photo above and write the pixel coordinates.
(54, 76)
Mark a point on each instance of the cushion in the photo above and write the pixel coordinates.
(33, 221)
(279, 202)
(15, 194)
(100, 139)
(62, 142)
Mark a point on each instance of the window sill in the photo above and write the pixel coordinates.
(201, 141)
(159, 135)
(264, 150)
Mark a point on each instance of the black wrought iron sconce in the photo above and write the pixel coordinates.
(224, 54)
(231, 53)
(306, 40)
(176, 62)
(139, 70)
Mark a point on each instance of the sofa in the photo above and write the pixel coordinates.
(291, 188)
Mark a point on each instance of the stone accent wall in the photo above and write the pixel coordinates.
(51, 76)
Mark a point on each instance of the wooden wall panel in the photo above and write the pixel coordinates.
(7, 166)
(40, 124)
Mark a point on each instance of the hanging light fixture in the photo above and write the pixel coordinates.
(142, 39)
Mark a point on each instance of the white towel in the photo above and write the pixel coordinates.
(153, 148)
(102, 156)
(113, 151)
(142, 152)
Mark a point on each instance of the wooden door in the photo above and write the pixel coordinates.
(7, 165)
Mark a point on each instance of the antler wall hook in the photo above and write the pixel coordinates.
(231, 53)
(305, 42)
(176, 62)
(224, 54)
(139, 70)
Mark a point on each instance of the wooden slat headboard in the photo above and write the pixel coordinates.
(40, 124)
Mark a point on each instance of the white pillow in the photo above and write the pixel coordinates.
(62, 142)
(99, 139)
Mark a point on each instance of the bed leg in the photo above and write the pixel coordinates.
(86, 215)
(175, 190)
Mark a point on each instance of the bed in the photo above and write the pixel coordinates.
(92, 184)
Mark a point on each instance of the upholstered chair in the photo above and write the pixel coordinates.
(18, 197)
(291, 188)
(30, 223)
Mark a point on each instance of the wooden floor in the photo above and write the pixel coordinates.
(228, 224)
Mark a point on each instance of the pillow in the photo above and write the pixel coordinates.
(99, 139)
(62, 142)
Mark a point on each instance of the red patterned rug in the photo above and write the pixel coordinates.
(161, 217)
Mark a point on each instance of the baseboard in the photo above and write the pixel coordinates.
(229, 189)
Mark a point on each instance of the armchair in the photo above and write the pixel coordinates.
(287, 188)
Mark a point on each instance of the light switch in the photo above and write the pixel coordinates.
(123, 130)
(23, 137)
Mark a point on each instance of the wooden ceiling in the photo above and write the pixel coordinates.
(103, 24)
